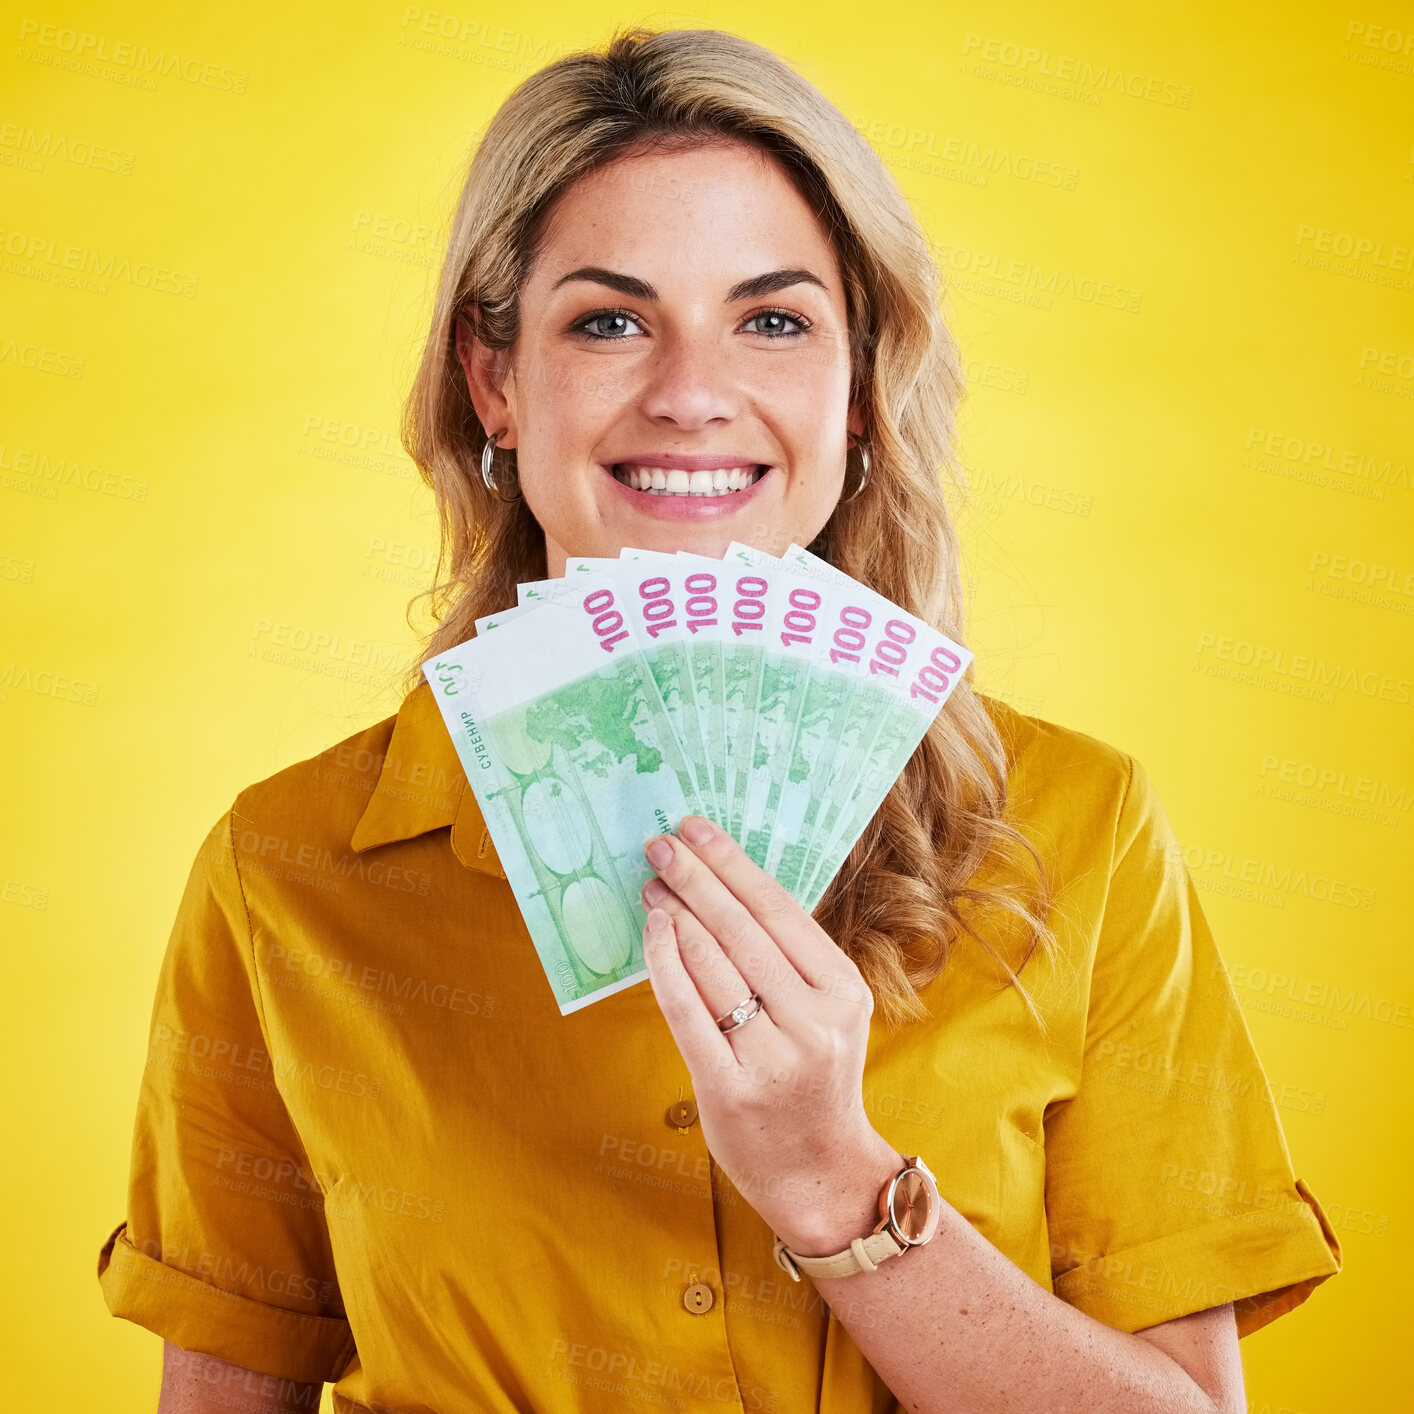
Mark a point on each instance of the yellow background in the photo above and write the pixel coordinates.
(1206, 467)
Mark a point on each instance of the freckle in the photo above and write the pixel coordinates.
(962, 1310)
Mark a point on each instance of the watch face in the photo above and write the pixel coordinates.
(914, 1208)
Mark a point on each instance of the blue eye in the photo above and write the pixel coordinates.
(801, 323)
(582, 327)
(584, 330)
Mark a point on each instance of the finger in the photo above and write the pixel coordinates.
(720, 985)
(745, 908)
(757, 960)
(698, 1037)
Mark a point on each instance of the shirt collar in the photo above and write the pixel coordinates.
(422, 787)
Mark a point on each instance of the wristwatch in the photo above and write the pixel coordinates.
(908, 1217)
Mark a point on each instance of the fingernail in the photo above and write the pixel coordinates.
(695, 830)
(658, 922)
(655, 891)
(659, 852)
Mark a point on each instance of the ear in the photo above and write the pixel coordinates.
(855, 422)
(490, 380)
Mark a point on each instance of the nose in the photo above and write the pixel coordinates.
(692, 380)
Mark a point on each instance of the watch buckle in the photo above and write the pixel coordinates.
(783, 1259)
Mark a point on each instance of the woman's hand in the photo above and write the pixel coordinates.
(780, 1097)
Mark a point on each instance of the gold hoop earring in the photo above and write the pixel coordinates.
(487, 452)
(864, 469)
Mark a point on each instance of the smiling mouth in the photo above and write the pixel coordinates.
(673, 481)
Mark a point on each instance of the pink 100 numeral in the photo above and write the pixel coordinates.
(657, 607)
(800, 617)
(934, 674)
(750, 607)
(608, 622)
(703, 601)
(849, 637)
(890, 652)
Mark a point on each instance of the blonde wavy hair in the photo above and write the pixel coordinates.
(912, 884)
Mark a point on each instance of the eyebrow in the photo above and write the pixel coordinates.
(635, 288)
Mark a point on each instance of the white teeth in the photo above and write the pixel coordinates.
(674, 481)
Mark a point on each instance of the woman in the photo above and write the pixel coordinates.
(370, 1150)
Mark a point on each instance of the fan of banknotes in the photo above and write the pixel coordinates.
(777, 696)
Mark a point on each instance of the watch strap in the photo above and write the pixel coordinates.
(862, 1255)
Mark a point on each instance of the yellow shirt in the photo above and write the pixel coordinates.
(370, 1150)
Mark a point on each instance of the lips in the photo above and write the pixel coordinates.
(677, 481)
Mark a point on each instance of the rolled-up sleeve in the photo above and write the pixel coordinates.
(224, 1249)
(1169, 1184)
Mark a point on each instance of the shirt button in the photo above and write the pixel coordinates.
(682, 1114)
(698, 1298)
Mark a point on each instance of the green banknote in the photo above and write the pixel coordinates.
(653, 596)
(896, 732)
(704, 588)
(778, 696)
(786, 755)
(746, 595)
(565, 741)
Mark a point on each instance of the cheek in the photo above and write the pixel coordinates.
(563, 505)
(815, 441)
(809, 396)
(569, 405)
(560, 409)
(573, 396)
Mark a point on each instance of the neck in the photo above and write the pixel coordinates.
(555, 557)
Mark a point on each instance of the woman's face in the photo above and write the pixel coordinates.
(722, 361)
